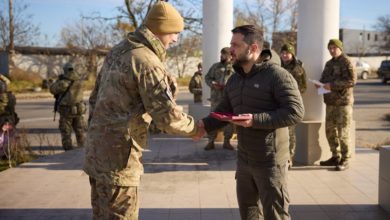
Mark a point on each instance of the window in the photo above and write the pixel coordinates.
(368, 36)
(376, 37)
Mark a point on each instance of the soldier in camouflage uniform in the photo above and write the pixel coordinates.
(7, 103)
(338, 77)
(133, 87)
(195, 85)
(216, 78)
(68, 90)
(295, 67)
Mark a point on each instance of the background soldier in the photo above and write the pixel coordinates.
(216, 79)
(295, 67)
(195, 85)
(133, 88)
(338, 77)
(7, 103)
(68, 91)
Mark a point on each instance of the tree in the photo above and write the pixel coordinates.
(135, 12)
(383, 25)
(187, 47)
(24, 31)
(269, 15)
(89, 34)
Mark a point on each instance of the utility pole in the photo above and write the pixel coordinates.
(11, 47)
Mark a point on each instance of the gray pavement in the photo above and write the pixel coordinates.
(182, 181)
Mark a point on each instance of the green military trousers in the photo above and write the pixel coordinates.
(262, 191)
(110, 202)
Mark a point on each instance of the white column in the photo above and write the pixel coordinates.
(318, 21)
(217, 26)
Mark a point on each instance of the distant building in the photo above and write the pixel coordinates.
(362, 43)
(357, 43)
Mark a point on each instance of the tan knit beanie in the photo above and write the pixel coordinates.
(163, 18)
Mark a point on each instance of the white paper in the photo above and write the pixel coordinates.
(321, 90)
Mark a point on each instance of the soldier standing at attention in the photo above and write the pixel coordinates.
(133, 88)
(195, 85)
(216, 78)
(295, 67)
(68, 91)
(338, 77)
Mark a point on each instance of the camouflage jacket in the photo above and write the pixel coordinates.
(133, 88)
(195, 85)
(295, 67)
(341, 76)
(75, 93)
(218, 74)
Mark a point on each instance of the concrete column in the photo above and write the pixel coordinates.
(318, 21)
(217, 26)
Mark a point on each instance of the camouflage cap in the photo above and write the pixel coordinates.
(336, 42)
(289, 48)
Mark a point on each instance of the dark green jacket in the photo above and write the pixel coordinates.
(271, 94)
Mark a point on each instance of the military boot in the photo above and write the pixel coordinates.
(226, 145)
(66, 148)
(210, 146)
(343, 165)
(333, 161)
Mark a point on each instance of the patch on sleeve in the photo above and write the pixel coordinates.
(168, 92)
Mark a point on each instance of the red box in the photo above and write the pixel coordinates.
(225, 116)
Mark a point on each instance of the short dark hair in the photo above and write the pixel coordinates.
(251, 34)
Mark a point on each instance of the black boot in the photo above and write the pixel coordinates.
(333, 161)
(226, 145)
(210, 146)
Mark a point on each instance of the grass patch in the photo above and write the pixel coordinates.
(24, 81)
(183, 81)
(19, 151)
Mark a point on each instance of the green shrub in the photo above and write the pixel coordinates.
(183, 81)
(23, 81)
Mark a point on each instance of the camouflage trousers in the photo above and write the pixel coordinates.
(292, 140)
(197, 98)
(111, 202)
(69, 123)
(337, 127)
(262, 192)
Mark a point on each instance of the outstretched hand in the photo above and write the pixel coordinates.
(201, 131)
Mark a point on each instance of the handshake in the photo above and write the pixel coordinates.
(243, 120)
(200, 131)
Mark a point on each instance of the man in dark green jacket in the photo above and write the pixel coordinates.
(268, 95)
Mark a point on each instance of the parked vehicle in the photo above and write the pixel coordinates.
(384, 71)
(362, 70)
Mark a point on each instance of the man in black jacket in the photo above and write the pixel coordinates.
(269, 96)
